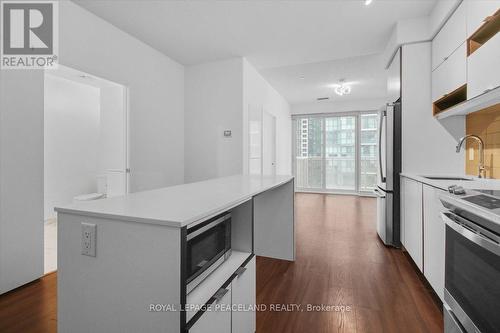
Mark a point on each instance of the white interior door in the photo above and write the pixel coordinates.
(255, 140)
(268, 144)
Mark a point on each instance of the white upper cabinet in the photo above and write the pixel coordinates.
(483, 70)
(478, 11)
(451, 74)
(450, 37)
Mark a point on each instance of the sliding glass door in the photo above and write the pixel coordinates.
(368, 151)
(309, 153)
(340, 153)
(336, 153)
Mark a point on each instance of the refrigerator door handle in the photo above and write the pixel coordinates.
(378, 193)
(382, 117)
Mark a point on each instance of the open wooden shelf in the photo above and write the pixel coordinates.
(483, 101)
(457, 96)
(485, 32)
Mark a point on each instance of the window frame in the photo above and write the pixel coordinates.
(357, 124)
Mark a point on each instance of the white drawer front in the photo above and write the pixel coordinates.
(243, 292)
(216, 321)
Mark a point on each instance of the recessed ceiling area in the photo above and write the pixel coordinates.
(305, 83)
(268, 33)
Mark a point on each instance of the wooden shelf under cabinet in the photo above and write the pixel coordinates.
(485, 32)
(457, 96)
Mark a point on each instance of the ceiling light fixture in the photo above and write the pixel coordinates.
(342, 88)
(368, 2)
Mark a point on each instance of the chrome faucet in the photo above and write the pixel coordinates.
(481, 150)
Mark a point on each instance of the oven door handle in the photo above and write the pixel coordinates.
(476, 238)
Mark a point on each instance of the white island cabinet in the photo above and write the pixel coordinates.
(137, 280)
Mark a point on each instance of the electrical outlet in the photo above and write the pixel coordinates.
(88, 239)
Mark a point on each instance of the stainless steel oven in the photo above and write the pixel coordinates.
(472, 275)
(208, 245)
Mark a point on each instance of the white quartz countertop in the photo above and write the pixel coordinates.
(179, 205)
(473, 183)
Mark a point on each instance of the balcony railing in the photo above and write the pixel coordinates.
(309, 173)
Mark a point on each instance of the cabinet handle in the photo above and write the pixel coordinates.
(240, 271)
(220, 293)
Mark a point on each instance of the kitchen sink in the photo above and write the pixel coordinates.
(446, 178)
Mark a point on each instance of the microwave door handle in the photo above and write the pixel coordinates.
(382, 117)
(476, 238)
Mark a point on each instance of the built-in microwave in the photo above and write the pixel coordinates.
(208, 245)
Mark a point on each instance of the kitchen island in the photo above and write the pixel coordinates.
(136, 282)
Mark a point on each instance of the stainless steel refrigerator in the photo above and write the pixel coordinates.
(389, 156)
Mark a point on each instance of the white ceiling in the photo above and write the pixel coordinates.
(267, 33)
(273, 35)
(305, 83)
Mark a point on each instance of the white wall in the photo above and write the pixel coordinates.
(421, 29)
(156, 91)
(213, 103)
(21, 177)
(112, 135)
(71, 141)
(337, 106)
(217, 98)
(258, 92)
(428, 144)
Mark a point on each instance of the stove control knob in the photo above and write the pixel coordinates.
(451, 188)
(459, 190)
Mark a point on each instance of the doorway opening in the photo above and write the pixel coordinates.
(85, 145)
(262, 141)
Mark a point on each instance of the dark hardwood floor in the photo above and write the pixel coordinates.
(340, 262)
(31, 308)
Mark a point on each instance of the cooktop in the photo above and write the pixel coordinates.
(484, 201)
(495, 193)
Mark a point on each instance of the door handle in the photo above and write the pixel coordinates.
(382, 116)
(379, 194)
